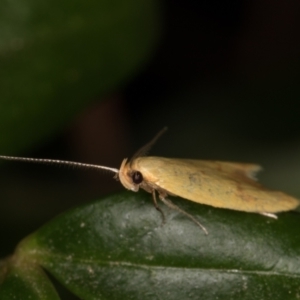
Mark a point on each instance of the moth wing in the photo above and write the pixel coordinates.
(219, 184)
(241, 171)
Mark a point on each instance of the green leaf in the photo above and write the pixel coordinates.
(24, 280)
(118, 248)
(57, 56)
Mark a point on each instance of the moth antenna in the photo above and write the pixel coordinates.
(144, 150)
(60, 163)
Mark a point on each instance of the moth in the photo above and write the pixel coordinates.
(219, 184)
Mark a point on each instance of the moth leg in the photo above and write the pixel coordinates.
(157, 207)
(269, 215)
(173, 206)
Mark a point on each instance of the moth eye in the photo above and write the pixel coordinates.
(137, 177)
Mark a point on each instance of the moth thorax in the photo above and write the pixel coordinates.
(130, 179)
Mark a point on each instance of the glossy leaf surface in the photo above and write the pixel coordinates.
(117, 248)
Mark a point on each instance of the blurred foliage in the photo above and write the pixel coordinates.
(56, 57)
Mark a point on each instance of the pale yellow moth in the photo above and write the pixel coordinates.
(219, 184)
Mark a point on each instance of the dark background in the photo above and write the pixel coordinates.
(224, 78)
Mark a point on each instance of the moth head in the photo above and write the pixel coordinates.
(131, 179)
